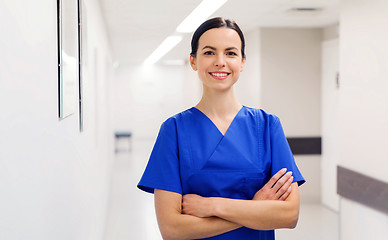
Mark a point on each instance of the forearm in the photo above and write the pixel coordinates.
(173, 224)
(259, 214)
(256, 214)
(190, 227)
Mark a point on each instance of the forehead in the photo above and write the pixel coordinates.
(220, 38)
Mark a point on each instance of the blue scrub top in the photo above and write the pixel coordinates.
(191, 156)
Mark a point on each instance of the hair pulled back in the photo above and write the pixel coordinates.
(217, 22)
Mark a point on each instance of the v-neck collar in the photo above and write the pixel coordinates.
(230, 125)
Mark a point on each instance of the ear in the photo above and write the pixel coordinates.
(243, 64)
(193, 63)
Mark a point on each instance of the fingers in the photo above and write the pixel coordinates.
(186, 203)
(286, 194)
(276, 177)
(277, 187)
(283, 183)
(285, 190)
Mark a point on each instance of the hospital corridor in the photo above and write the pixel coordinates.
(90, 92)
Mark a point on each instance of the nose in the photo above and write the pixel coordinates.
(220, 61)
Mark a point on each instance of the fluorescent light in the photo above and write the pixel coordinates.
(163, 48)
(199, 14)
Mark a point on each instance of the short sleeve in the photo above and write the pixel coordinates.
(162, 171)
(282, 156)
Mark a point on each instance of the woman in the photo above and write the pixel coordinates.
(218, 170)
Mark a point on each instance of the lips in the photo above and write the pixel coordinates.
(219, 75)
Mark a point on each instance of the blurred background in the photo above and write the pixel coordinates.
(72, 149)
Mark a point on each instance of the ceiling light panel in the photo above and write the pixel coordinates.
(169, 43)
(199, 14)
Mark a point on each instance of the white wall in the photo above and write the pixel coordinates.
(248, 86)
(291, 68)
(363, 107)
(330, 123)
(331, 32)
(291, 89)
(146, 96)
(53, 179)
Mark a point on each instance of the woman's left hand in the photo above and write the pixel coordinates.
(277, 188)
(195, 205)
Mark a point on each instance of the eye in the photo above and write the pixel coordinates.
(231, 54)
(208, 53)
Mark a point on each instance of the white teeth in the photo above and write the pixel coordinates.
(219, 74)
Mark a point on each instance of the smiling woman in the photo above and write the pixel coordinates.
(219, 59)
(221, 170)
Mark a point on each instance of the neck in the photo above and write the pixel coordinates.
(219, 103)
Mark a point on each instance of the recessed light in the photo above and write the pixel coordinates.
(304, 11)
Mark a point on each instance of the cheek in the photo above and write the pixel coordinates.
(202, 76)
(237, 66)
(203, 63)
(202, 68)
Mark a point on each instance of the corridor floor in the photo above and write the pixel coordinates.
(131, 211)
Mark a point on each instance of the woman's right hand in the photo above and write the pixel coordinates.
(277, 188)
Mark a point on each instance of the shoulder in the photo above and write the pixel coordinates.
(173, 122)
(262, 116)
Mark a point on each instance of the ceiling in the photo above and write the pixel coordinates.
(137, 27)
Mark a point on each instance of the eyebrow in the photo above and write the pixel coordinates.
(227, 49)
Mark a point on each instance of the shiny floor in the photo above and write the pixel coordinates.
(131, 211)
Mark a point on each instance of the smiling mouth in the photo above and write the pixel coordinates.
(222, 75)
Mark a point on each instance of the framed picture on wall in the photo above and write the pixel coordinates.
(68, 57)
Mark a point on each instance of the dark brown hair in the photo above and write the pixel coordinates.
(217, 22)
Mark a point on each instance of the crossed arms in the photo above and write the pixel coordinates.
(191, 216)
